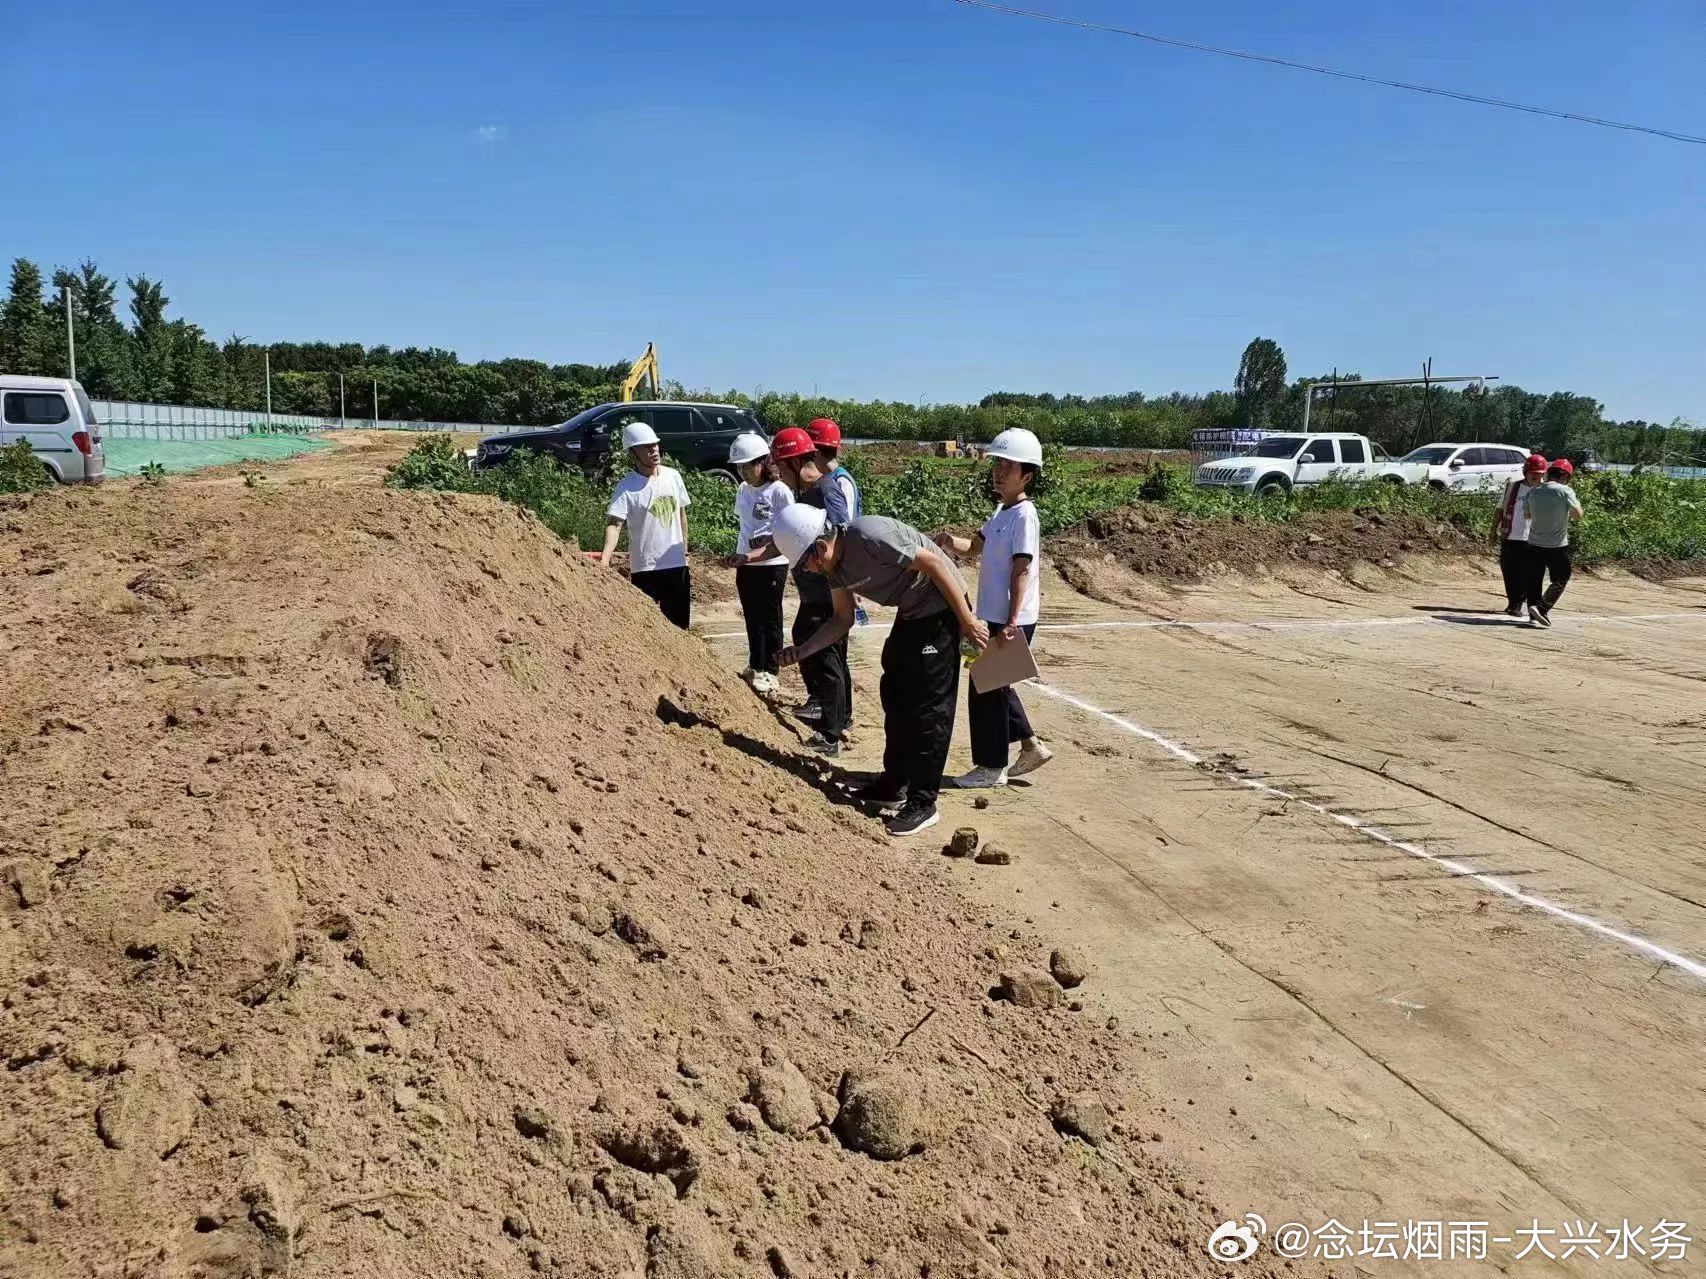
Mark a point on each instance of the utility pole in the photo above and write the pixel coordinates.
(267, 355)
(341, 415)
(70, 333)
(375, 403)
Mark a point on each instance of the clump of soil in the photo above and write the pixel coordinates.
(386, 891)
(1151, 539)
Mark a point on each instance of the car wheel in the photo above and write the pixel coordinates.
(1438, 486)
(1392, 479)
(1272, 490)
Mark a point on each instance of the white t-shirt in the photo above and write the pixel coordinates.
(1519, 512)
(758, 507)
(652, 509)
(1012, 530)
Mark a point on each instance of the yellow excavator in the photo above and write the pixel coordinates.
(645, 369)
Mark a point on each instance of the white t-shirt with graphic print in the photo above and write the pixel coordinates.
(651, 507)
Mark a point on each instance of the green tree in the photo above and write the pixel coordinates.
(25, 331)
(1260, 385)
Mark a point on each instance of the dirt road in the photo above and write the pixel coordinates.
(1357, 860)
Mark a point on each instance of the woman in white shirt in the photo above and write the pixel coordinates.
(652, 502)
(1009, 598)
(761, 572)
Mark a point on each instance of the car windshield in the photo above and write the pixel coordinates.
(577, 421)
(1277, 446)
(1432, 455)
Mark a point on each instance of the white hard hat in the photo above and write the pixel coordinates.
(1016, 444)
(747, 447)
(795, 528)
(637, 433)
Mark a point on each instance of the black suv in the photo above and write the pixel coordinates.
(697, 436)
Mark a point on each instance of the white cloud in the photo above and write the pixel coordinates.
(491, 132)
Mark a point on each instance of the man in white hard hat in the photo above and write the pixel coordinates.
(652, 501)
(893, 563)
(1009, 599)
(761, 574)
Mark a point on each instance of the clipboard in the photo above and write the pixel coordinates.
(1003, 664)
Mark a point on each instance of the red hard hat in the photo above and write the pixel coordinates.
(825, 433)
(1534, 462)
(1563, 464)
(790, 442)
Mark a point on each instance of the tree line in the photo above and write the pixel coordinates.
(144, 355)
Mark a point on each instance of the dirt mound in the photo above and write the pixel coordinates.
(385, 891)
(1151, 539)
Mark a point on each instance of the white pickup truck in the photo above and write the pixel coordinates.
(1280, 463)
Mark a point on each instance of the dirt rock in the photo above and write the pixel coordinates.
(29, 879)
(147, 1109)
(533, 1123)
(688, 1247)
(1029, 989)
(783, 1095)
(880, 1115)
(1081, 1115)
(963, 843)
(994, 855)
(1069, 967)
(646, 934)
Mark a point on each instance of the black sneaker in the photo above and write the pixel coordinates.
(1537, 615)
(884, 795)
(912, 819)
(811, 713)
(828, 747)
(1515, 610)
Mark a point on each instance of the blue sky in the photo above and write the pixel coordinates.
(904, 199)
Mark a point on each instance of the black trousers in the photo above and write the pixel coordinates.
(829, 680)
(996, 719)
(673, 591)
(1513, 565)
(921, 687)
(1543, 560)
(760, 589)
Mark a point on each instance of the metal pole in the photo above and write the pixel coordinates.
(70, 333)
(267, 356)
(376, 404)
(341, 414)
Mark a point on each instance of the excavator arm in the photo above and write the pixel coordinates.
(646, 367)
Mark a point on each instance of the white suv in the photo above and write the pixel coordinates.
(1464, 466)
(54, 416)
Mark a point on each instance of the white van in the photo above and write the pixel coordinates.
(54, 416)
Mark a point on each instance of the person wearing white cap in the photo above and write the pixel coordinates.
(1009, 599)
(893, 563)
(761, 571)
(652, 502)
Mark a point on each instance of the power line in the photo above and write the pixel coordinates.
(1192, 45)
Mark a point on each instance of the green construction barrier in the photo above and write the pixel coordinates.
(128, 457)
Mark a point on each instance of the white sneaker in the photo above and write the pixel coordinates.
(1030, 760)
(981, 778)
(764, 682)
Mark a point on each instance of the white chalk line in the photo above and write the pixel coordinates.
(1442, 618)
(1370, 831)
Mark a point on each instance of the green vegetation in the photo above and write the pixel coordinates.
(153, 473)
(1628, 517)
(150, 357)
(20, 470)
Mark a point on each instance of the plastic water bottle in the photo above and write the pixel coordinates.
(860, 616)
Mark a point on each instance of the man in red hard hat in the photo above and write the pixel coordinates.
(1551, 508)
(829, 682)
(1510, 527)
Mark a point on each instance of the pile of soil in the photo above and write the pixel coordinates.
(386, 891)
(1151, 539)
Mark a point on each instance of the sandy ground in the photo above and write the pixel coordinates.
(1371, 1024)
(1364, 1033)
